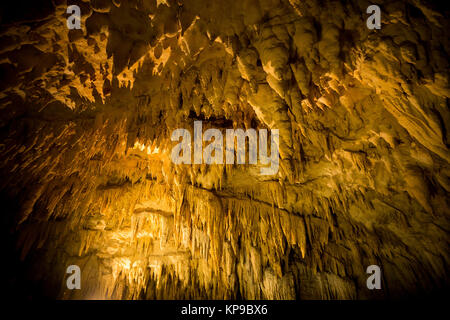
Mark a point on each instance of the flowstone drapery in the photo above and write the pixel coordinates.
(363, 119)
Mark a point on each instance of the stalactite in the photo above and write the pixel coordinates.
(86, 122)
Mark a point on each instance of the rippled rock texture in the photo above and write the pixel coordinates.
(87, 179)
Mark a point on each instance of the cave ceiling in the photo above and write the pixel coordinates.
(86, 118)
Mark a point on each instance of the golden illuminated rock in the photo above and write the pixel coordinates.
(363, 118)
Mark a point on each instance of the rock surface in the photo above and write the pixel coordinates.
(85, 126)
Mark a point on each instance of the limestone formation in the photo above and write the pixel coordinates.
(85, 144)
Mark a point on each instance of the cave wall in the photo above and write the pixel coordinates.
(86, 174)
